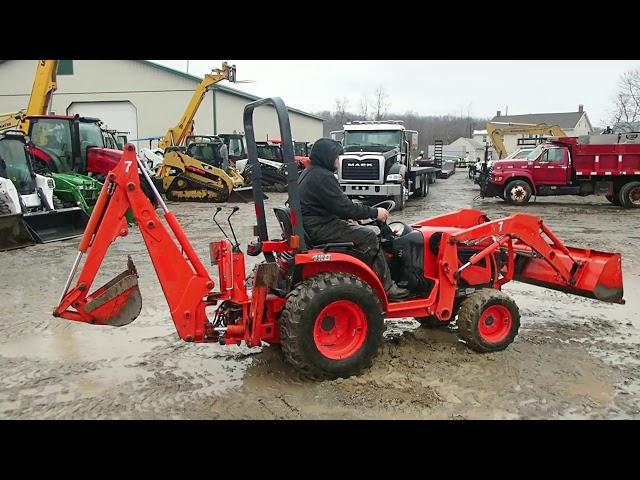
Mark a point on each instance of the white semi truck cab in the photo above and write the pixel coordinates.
(376, 163)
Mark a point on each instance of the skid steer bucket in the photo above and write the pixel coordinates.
(595, 275)
(241, 195)
(56, 225)
(118, 302)
(14, 233)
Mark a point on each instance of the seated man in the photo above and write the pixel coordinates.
(326, 209)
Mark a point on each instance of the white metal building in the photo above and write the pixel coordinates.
(145, 99)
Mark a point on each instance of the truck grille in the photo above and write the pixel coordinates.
(360, 169)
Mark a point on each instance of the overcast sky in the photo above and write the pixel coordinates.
(430, 87)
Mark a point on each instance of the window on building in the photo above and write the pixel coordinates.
(65, 67)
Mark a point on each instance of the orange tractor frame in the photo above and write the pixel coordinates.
(324, 304)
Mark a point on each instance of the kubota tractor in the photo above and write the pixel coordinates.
(323, 303)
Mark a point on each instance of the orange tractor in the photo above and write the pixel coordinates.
(323, 303)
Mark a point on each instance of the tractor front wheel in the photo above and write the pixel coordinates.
(331, 326)
(488, 320)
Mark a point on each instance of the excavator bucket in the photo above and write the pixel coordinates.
(54, 225)
(118, 302)
(14, 233)
(594, 274)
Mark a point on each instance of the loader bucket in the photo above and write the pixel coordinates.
(598, 276)
(118, 302)
(14, 233)
(56, 225)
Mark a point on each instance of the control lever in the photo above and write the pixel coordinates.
(235, 239)
(215, 221)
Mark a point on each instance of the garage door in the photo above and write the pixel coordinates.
(121, 116)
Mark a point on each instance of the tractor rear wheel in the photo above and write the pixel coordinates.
(331, 326)
(488, 320)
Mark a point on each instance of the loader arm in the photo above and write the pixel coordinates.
(532, 259)
(497, 133)
(11, 120)
(177, 134)
(184, 279)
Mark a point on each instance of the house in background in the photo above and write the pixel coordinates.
(574, 124)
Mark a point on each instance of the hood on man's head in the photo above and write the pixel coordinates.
(324, 153)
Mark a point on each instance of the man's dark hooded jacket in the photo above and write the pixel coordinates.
(321, 198)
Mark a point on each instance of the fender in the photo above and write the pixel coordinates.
(318, 261)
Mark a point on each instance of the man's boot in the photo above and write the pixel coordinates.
(397, 293)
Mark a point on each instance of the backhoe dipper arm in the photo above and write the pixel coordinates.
(185, 281)
(178, 134)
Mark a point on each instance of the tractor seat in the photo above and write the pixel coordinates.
(283, 214)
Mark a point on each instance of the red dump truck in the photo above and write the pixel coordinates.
(606, 165)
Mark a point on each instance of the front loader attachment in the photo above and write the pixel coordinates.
(596, 274)
(14, 233)
(55, 225)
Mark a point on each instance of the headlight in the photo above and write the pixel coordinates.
(50, 183)
(394, 177)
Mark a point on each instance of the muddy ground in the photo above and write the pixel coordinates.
(574, 357)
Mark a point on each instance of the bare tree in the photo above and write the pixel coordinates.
(364, 106)
(380, 104)
(626, 116)
(341, 107)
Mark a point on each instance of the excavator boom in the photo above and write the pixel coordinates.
(177, 135)
(496, 132)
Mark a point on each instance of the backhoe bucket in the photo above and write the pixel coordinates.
(118, 302)
(56, 225)
(598, 275)
(14, 233)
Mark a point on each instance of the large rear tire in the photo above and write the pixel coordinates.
(331, 326)
(488, 320)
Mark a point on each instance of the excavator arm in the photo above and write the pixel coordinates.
(497, 133)
(177, 135)
(44, 84)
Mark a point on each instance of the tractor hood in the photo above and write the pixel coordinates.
(82, 182)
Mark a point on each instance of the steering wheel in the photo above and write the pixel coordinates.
(390, 206)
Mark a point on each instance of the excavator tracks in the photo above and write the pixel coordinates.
(185, 189)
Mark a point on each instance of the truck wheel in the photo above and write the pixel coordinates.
(488, 320)
(424, 188)
(517, 192)
(399, 199)
(331, 326)
(630, 195)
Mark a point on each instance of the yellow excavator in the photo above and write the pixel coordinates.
(44, 84)
(496, 132)
(199, 171)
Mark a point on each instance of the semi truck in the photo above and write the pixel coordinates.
(607, 165)
(376, 163)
